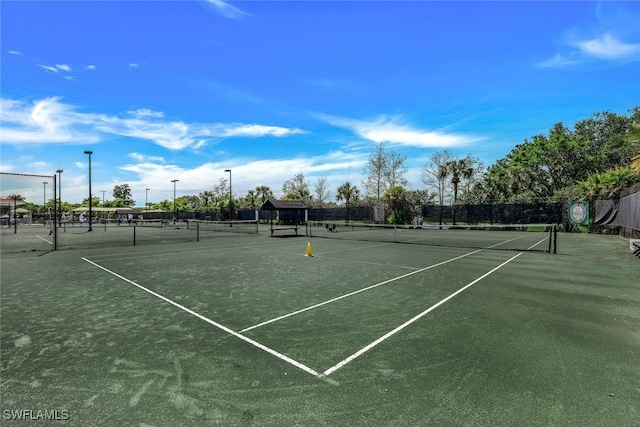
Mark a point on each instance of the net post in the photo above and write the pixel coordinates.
(134, 234)
(55, 213)
(555, 239)
(197, 231)
(550, 238)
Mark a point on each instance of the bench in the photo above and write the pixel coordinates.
(284, 227)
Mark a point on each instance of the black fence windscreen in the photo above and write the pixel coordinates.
(624, 212)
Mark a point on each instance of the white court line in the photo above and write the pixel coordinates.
(375, 286)
(409, 322)
(358, 291)
(419, 316)
(42, 238)
(216, 324)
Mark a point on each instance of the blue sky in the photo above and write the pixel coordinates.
(162, 90)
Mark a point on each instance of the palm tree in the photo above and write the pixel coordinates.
(16, 198)
(264, 193)
(251, 200)
(346, 192)
(458, 168)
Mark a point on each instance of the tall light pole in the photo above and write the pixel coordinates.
(103, 191)
(44, 203)
(146, 199)
(60, 194)
(175, 209)
(230, 197)
(89, 153)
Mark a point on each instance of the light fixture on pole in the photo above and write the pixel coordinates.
(89, 153)
(175, 209)
(230, 198)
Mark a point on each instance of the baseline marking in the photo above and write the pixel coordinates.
(216, 324)
(42, 238)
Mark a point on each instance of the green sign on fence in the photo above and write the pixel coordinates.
(578, 213)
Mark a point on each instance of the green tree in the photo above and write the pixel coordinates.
(95, 201)
(296, 188)
(550, 165)
(609, 184)
(264, 193)
(399, 210)
(250, 201)
(634, 138)
(124, 192)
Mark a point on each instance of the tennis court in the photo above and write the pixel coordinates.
(247, 330)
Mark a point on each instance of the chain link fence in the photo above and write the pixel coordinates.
(28, 212)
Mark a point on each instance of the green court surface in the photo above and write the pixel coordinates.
(247, 330)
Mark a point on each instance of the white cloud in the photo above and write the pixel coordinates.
(133, 66)
(142, 158)
(14, 52)
(255, 131)
(90, 67)
(557, 61)
(391, 130)
(612, 35)
(247, 173)
(145, 112)
(48, 68)
(56, 69)
(607, 46)
(51, 121)
(44, 121)
(226, 10)
(604, 47)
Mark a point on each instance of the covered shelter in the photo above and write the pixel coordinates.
(118, 213)
(286, 214)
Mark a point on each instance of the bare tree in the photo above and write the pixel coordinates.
(321, 192)
(384, 170)
(434, 174)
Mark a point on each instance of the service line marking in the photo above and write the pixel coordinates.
(266, 322)
(419, 316)
(358, 291)
(216, 324)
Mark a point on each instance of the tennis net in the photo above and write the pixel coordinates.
(238, 226)
(516, 237)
